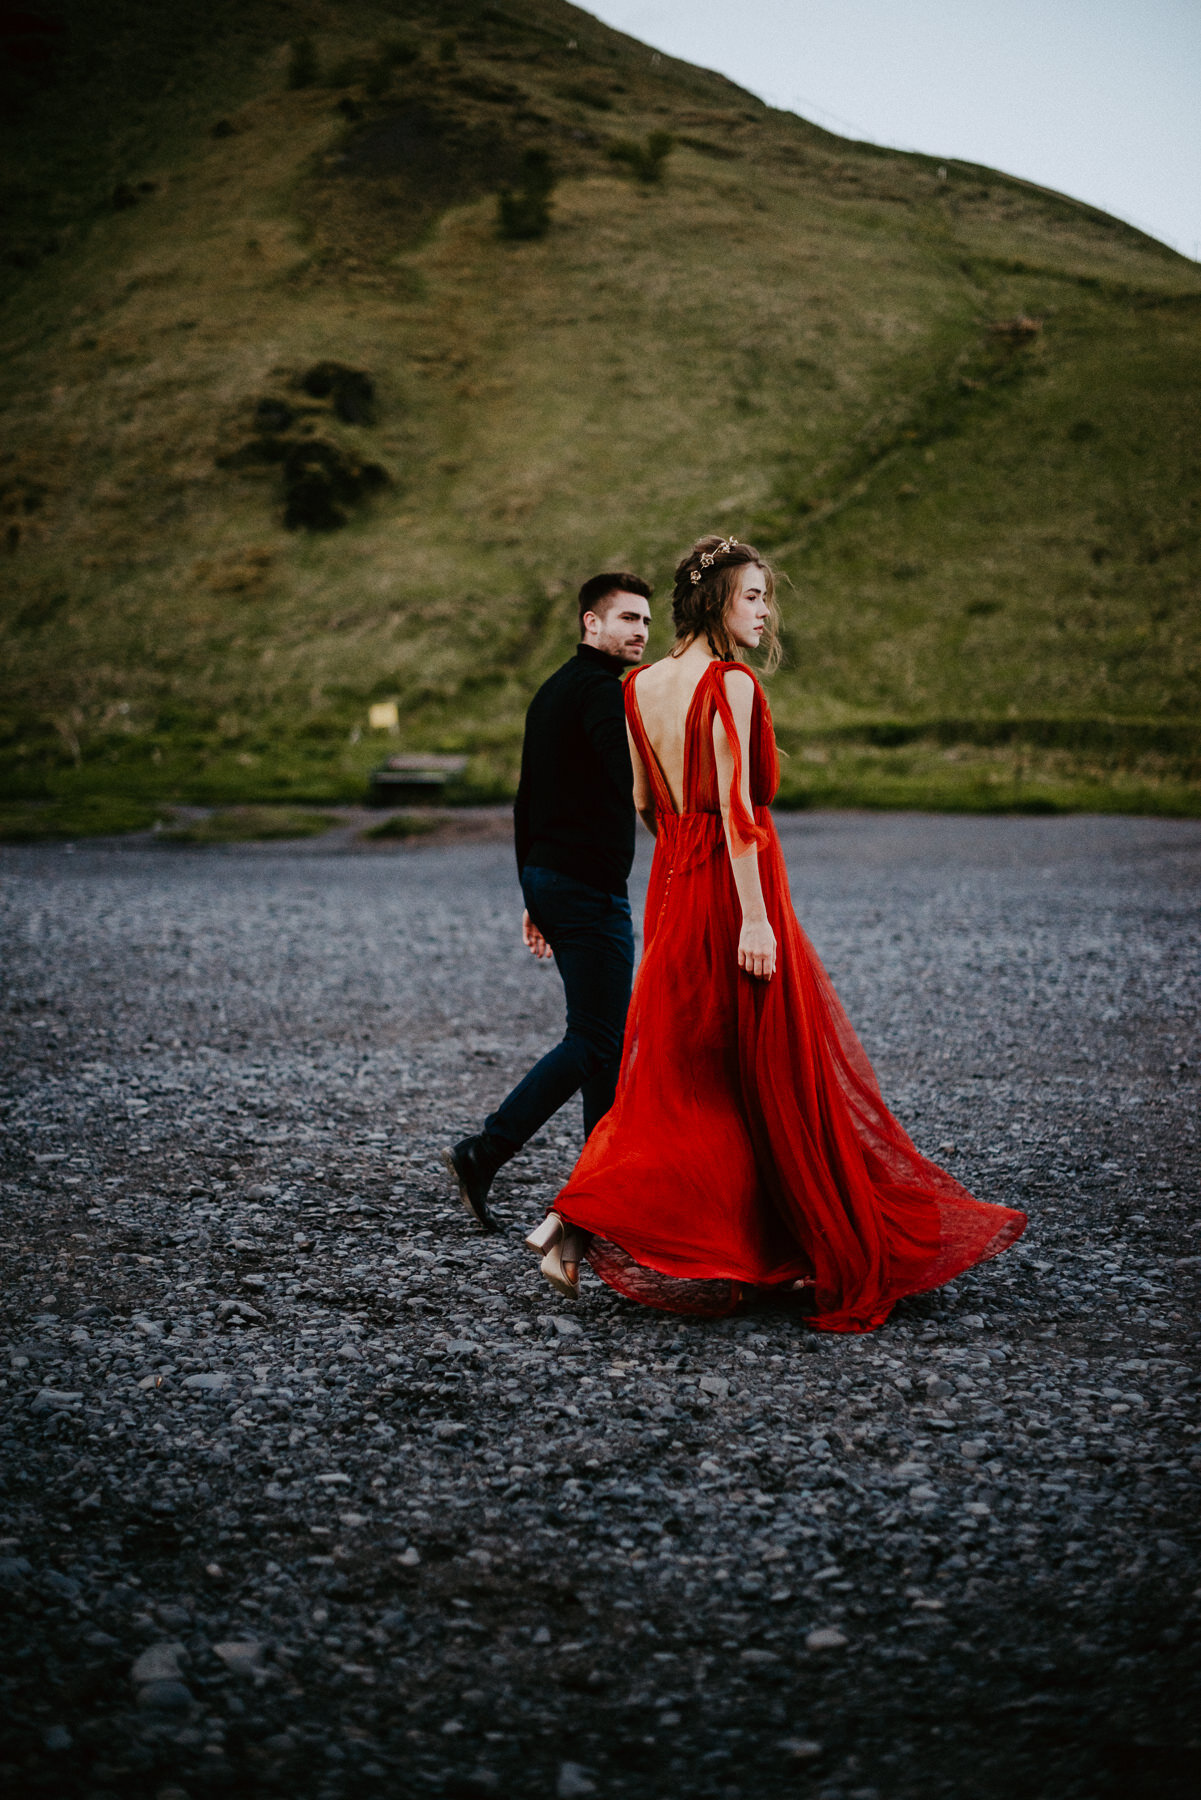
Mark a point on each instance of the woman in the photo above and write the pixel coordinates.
(748, 1146)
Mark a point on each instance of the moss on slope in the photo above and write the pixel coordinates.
(961, 411)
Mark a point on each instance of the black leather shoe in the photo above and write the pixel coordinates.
(473, 1164)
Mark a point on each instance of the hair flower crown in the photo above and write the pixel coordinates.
(709, 557)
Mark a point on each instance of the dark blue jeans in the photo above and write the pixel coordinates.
(592, 936)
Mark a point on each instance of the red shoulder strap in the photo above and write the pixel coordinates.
(746, 834)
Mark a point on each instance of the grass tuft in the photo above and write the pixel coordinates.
(89, 815)
(401, 825)
(250, 824)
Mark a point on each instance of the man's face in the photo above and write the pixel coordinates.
(621, 628)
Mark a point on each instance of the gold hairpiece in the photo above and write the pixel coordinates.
(708, 557)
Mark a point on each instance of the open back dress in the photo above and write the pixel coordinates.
(749, 1146)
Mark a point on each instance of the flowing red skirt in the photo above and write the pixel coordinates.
(749, 1146)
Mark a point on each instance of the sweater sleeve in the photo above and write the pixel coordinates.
(521, 816)
(603, 717)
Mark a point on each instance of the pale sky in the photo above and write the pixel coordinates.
(1100, 99)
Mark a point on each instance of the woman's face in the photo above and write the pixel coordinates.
(747, 613)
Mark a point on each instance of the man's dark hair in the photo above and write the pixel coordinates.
(599, 587)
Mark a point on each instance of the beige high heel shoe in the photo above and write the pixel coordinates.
(544, 1236)
(562, 1243)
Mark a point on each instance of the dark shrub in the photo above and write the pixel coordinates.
(379, 79)
(526, 212)
(401, 53)
(644, 161)
(303, 68)
(585, 95)
(273, 415)
(319, 479)
(352, 391)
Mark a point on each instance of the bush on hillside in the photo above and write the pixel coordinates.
(303, 68)
(351, 390)
(585, 94)
(644, 161)
(320, 479)
(525, 213)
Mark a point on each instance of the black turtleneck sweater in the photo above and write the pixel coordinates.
(574, 810)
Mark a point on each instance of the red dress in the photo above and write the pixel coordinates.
(749, 1145)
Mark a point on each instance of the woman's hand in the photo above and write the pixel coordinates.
(757, 949)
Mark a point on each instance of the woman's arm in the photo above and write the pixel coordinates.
(757, 940)
(644, 800)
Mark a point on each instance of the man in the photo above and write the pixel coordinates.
(574, 831)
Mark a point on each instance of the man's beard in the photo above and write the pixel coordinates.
(622, 649)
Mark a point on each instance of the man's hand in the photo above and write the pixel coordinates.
(533, 939)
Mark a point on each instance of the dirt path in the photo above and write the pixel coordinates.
(309, 1490)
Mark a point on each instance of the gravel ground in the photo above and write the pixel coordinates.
(309, 1489)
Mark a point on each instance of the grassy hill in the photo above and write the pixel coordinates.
(959, 411)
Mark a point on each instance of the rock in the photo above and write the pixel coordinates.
(573, 1782)
(51, 1400)
(826, 1637)
(567, 1327)
(160, 1662)
(165, 1696)
(410, 1558)
(801, 1749)
(57, 1737)
(210, 1383)
(64, 1586)
(240, 1657)
(717, 1385)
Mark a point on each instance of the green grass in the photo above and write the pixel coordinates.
(250, 824)
(401, 825)
(1008, 778)
(86, 815)
(790, 337)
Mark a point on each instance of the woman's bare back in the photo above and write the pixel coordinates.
(664, 692)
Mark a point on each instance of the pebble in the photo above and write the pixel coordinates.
(394, 1486)
(240, 1658)
(165, 1696)
(574, 1782)
(159, 1662)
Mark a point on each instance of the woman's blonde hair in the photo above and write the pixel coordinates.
(706, 582)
